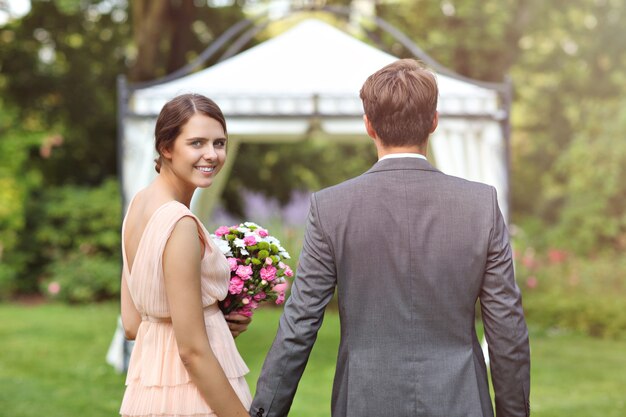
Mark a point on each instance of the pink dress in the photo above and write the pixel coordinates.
(157, 383)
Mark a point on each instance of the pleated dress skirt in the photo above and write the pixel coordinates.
(158, 385)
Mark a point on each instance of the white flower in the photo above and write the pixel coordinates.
(223, 246)
(272, 240)
(243, 230)
(284, 254)
(251, 224)
(239, 243)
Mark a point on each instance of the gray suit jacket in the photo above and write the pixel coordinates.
(409, 250)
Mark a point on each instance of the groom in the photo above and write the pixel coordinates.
(409, 251)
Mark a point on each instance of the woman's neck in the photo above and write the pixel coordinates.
(167, 183)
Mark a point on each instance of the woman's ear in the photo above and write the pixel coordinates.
(165, 152)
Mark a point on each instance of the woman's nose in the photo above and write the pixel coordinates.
(209, 153)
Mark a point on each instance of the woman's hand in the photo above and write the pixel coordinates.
(237, 323)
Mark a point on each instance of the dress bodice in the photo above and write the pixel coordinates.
(145, 277)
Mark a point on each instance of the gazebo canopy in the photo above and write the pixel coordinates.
(311, 76)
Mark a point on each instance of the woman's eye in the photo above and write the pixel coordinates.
(221, 143)
(196, 143)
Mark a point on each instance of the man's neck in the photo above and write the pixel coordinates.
(383, 151)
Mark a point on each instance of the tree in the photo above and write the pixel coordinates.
(571, 62)
(60, 63)
(169, 34)
(588, 183)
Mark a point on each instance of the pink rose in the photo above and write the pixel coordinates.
(245, 311)
(235, 286)
(268, 261)
(244, 271)
(268, 273)
(282, 287)
(282, 265)
(288, 271)
(232, 263)
(262, 232)
(54, 288)
(249, 240)
(281, 298)
(556, 256)
(260, 296)
(221, 231)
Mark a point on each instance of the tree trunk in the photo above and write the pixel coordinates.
(150, 31)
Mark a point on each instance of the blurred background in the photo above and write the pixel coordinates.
(60, 205)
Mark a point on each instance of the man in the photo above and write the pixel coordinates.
(410, 250)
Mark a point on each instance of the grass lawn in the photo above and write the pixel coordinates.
(52, 364)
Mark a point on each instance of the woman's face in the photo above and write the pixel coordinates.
(199, 151)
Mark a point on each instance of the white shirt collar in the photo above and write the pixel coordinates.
(403, 155)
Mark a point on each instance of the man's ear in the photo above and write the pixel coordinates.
(368, 127)
(435, 122)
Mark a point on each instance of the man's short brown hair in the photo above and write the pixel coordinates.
(400, 101)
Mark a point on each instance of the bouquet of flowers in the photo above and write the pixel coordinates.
(256, 264)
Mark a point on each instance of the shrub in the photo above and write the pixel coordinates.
(18, 180)
(83, 279)
(73, 241)
(561, 290)
(7, 280)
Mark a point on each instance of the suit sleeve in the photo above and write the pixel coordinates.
(505, 326)
(302, 317)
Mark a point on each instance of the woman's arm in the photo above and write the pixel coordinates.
(181, 267)
(131, 319)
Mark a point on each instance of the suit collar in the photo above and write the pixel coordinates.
(398, 164)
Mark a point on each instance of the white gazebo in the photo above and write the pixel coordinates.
(306, 82)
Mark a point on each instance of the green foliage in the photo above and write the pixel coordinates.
(475, 39)
(278, 170)
(592, 193)
(18, 179)
(83, 220)
(83, 279)
(563, 291)
(59, 66)
(7, 279)
(571, 60)
(75, 243)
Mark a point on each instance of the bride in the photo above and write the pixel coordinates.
(185, 361)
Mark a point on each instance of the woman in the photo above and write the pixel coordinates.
(185, 361)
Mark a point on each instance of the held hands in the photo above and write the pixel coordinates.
(237, 323)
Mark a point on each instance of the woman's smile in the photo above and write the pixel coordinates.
(207, 170)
